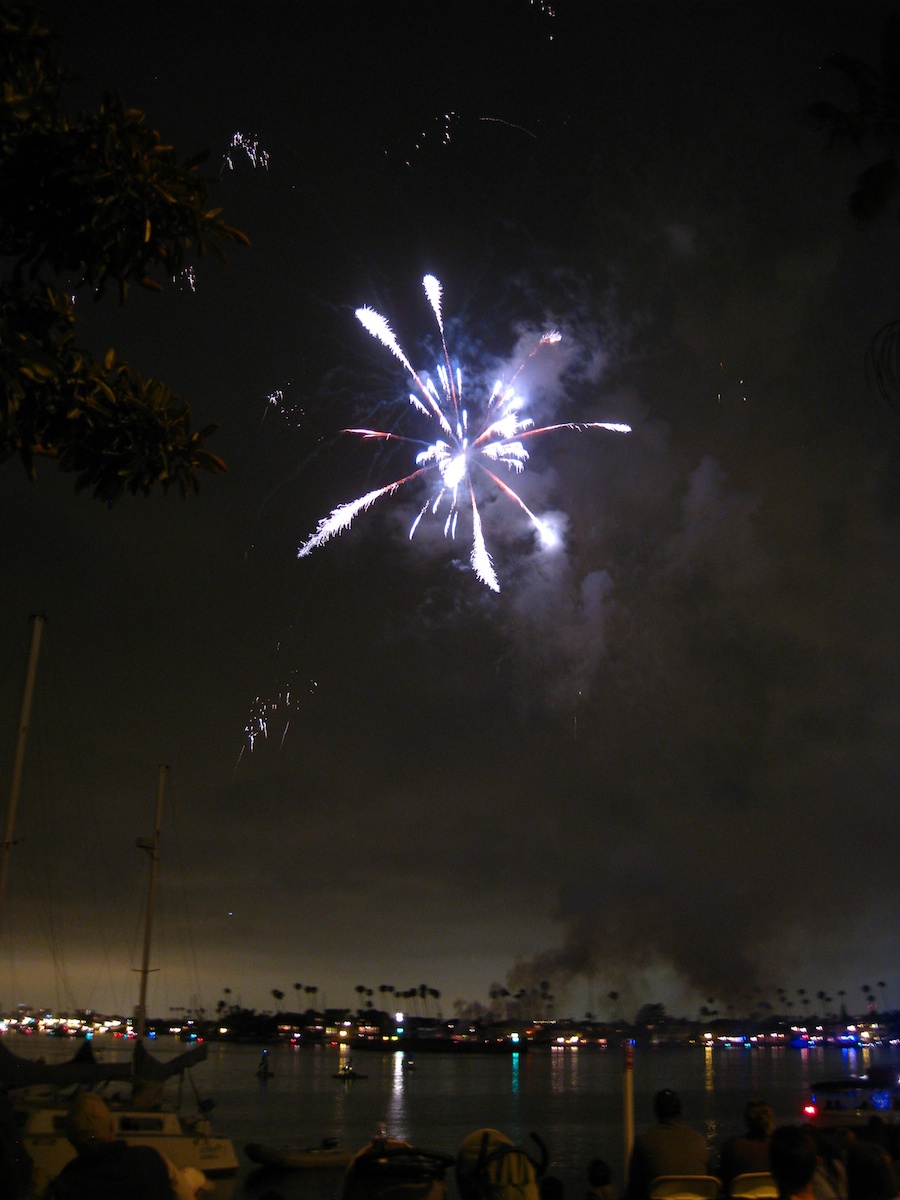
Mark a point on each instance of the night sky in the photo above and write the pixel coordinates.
(663, 759)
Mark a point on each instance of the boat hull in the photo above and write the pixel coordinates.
(298, 1158)
(856, 1099)
(42, 1129)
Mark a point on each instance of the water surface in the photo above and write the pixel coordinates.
(572, 1098)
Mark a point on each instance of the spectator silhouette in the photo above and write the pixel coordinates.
(105, 1168)
(600, 1181)
(551, 1187)
(668, 1148)
(793, 1156)
(15, 1161)
(748, 1152)
(870, 1172)
(830, 1179)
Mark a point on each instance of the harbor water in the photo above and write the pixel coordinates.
(573, 1098)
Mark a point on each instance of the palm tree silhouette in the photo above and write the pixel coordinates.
(872, 126)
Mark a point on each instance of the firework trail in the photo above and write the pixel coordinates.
(458, 452)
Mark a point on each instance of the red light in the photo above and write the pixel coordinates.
(809, 1110)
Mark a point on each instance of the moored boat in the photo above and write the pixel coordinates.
(450, 1043)
(856, 1099)
(42, 1092)
(299, 1158)
(187, 1142)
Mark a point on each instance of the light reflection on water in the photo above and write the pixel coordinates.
(571, 1098)
(558, 1062)
(396, 1124)
(711, 1132)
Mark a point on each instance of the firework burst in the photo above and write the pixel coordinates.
(461, 451)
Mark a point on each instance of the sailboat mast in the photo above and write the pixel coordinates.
(31, 673)
(151, 845)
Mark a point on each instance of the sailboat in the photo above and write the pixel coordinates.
(42, 1091)
(42, 1107)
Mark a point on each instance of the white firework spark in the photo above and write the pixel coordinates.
(286, 408)
(251, 147)
(460, 450)
(272, 714)
(441, 130)
(187, 279)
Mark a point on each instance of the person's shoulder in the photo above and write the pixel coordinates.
(147, 1154)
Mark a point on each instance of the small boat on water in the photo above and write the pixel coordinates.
(348, 1071)
(328, 1155)
(856, 1099)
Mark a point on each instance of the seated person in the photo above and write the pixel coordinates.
(748, 1153)
(793, 1157)
(668, 1148)
(600, 1181)
(106, 1168)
